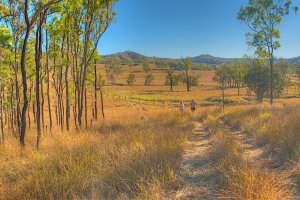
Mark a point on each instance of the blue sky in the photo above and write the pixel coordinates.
(175, 28)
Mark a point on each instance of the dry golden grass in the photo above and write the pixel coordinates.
(241, 179)
(124, 159)
(133, 153)
(275, 126)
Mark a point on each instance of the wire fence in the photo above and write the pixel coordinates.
(150, 102)
(161, 103)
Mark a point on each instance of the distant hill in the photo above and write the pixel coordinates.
(127, 55)
(202, 59)
(293, 61)
(208, 59)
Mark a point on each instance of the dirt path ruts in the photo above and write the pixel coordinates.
(196, 175)
(251, 151)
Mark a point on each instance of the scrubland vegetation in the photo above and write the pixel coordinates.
(274, 130)
(121, 160)
(75, 125)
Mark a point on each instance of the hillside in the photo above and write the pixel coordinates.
(126, 55)
(137, 57)
(208, 59)
(293, 61)
(202, 59)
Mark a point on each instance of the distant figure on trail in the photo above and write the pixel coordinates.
(181, 107)
(193, 106)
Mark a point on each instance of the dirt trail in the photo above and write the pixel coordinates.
(252, 152)
(197, 176)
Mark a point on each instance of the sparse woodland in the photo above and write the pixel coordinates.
(48, 57)
(75, 124)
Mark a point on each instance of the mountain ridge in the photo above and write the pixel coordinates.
(201, 59)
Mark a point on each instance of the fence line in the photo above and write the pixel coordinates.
(154, 102)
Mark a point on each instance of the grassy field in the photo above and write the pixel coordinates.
(136, 151)
(123, 159)
(207, 91)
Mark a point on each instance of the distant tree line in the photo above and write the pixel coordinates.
(256, 76)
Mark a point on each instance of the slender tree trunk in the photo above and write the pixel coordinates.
(17, 91)
(29, 100)
(61, 106)
(12, 109)
(67, 87)
(48, 81)
(85, 108)
(95, 91)
(102, 102)
(223, 101)
(56, 114)
(1, 113)
(272, 81)
(67, 100)
(83, 72)
(34, 109)
(74, 75)
(38, 52)
(187, 80)
(24, 76)
(42, 105)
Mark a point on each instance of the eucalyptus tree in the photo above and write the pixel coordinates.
(1, 114)
(112, 69)
(129, 63)
(263, 18)
(131, 79)
(38, 56)
(222, 76)
(50, 38)
(6, 73)
(257, 78)
(238, 72)
(171, 78)
(96, 18)
(187, 63)
(146, 67)
(149, 79)
(11, 14)
(32, 12)
(100, 87)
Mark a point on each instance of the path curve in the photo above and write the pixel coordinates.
(197, 177)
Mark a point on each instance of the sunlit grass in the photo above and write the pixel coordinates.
(241, 179)
(128, 159)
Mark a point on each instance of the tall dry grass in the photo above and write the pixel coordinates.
(241, 179)
(127, 158)
(276, 127)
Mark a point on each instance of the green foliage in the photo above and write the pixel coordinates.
(149, 79)
(187, 63)
(258, 80)
(193, 79)
(171, 78)
(238, 72)
(297, 70)
(223, 75)
(146, 67)
(262, 17)
(5, 37)
(203, 66)
(131, 79)
(112, 68)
